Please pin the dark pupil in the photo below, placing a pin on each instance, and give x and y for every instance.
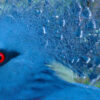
(0, 57)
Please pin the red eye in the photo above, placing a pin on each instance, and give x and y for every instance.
(2, 57)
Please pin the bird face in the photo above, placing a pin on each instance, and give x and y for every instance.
(21, 55)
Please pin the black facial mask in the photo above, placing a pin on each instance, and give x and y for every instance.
(8, 56)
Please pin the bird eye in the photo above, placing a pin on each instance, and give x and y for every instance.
(6, 56)
(2, 57)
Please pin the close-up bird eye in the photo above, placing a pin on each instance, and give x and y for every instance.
(2, 57)
(49, 49)
(6, 56)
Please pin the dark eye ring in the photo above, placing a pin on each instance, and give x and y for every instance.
(2, 57)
